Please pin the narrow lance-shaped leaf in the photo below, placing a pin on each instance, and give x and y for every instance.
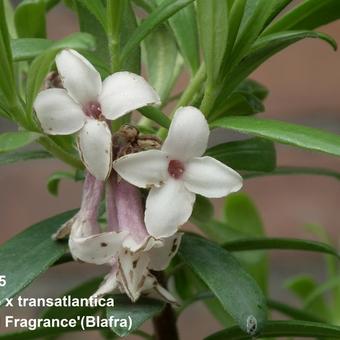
(293, 171)
(85, 290)
(303, 329)
(17, 156)
(260, 52)
(254, 154)
(30, 253)
(139, 312)
(158, 16)
(14, 140)
(184, 27)
(258, 243)
(161, 58)
(30, 19)
(7, 84)
(307, 15)
(29, 48)
(213, 29)
(90, 24)
(235, 289)
(242, 215)
(286, 133)
(129, 25)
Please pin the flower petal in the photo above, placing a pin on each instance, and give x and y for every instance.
(188, 134)
(143, 169)
(58, 113)
(132, 273)
(209, 177)
(81, 80)
(95, 146)
(124, 92)
(160, 257)
(109, 285)
(167, 208)
(98, 249)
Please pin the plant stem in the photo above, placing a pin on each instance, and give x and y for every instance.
(195, 84)
(115, 10)
(165, 323)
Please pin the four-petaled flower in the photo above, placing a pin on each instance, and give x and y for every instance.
(177, 172)
(84, 105)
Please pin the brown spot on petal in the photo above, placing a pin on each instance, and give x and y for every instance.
(141, 283)
(134, 263)
(103, 244)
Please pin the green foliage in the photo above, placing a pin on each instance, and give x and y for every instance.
(30, 19)
(17, 156)
(254, 154)
(285, 133)
(139, 312)
(10, 141)
(283, 328)
(217, 44)
(234, 288)
(30, 253)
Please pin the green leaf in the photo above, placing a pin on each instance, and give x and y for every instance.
(283, 308)
(260, 52)
(54, 180)
(241, 214)
(7, 83)
(159, 15)
(254, 154)
(85, 290)
(97, 9)
(161, 58)
(139, 312)
(29, 19)
(247, 99)
(235, 289)
(292, 312)
(90, 24)
(203, 210)
(42, 64)
(14, 140)
(29, 48)
(49, 4)
(285, 133)
(213, 28)
(254, 18)
(30, 253)
(294, 171)
(17, 156)
(282, 329)
(258, 243)
(303, 286)
(129, 25)
(309, 14)
(184, 27)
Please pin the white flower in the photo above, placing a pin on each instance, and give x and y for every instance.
(177, 172)
(84, 105)
(127, 247)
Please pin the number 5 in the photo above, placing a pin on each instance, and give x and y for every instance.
(3, 280)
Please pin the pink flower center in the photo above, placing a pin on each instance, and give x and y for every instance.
(176, 169)
(93, 110)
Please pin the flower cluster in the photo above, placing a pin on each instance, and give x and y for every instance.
(135, 242)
